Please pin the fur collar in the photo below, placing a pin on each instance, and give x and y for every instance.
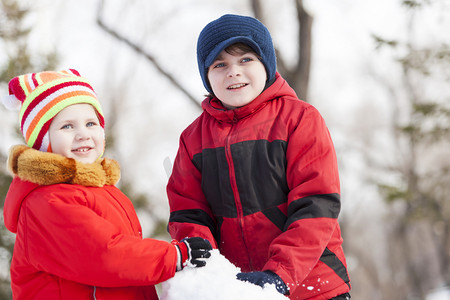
(46, 168)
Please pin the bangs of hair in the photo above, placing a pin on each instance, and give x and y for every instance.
(240, 49)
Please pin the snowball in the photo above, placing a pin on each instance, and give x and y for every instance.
(216, 281)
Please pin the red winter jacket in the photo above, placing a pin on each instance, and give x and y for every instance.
(261, 183)
(81, 240)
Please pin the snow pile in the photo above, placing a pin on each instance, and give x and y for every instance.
(439, 294)
(216, 281)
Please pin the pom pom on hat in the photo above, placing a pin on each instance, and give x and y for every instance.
(11, 102)
(230, 29)
(41, 96)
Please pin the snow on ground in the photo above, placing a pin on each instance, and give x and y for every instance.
(216, 281)
(439, 294)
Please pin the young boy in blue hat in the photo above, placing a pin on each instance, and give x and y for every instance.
(256, 173)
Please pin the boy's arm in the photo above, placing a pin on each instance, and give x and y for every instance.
(313, 201)
(190, 214)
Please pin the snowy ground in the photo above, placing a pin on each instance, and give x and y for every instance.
(216, 281)
(439, 294)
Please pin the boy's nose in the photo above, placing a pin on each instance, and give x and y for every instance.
(233, 70)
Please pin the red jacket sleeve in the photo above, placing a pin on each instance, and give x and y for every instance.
(190, 214)
(65, 237)
(313, 200)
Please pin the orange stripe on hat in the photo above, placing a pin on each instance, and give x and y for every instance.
(43, 114)
(25, 84)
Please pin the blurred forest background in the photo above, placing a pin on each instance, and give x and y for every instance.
(379, 72)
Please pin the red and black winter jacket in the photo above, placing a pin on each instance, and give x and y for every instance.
(261, 183)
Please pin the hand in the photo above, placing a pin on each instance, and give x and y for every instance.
(265, 277)
(191, 251)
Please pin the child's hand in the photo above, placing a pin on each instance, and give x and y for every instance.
(192, 251)
(263, 278)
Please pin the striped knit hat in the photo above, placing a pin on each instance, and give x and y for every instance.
(41, 96)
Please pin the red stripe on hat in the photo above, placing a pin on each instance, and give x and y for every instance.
(75, 72)
(33, 77)
(48, 92)
(101, 119)
(37, 144)
(16, 89)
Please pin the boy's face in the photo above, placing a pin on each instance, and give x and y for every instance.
(75, 132)
(237, 80)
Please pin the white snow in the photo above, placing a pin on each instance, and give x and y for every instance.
(439, 294)
(217, 281)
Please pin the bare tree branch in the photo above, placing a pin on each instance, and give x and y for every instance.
(257, 9)
(142, 52)
(301, 76)
(297, 75)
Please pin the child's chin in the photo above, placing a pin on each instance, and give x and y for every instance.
(86, 160)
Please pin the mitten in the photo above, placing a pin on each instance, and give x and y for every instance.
(265, 277)
(191, 252)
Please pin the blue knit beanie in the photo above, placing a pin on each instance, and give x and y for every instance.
(231, 29)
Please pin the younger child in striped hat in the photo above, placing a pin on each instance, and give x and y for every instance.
(41, 96)
(77, 235)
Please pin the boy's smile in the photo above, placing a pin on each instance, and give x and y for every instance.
(75, 132)
(237, 80)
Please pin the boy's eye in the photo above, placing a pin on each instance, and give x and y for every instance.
(66, 126)
(247, 59)
(219, 65)
(90, 124)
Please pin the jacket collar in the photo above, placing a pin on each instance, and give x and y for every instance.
(33, 168)
(44, 168)
(279, 88)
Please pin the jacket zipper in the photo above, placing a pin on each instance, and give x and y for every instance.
(233, 183)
